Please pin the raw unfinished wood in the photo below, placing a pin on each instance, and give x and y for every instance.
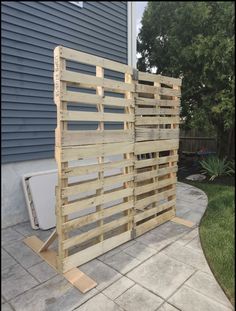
(76, 277)
(183, 222)
(116, 180)
(49, 241)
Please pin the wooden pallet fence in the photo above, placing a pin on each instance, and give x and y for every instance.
(156, 144)
(96, 166)
(114, 182)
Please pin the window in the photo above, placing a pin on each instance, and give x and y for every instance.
(78, 3)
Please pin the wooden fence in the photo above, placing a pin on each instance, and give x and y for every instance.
(192, 141)
(113, 184)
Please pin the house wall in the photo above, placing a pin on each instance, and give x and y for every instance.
(30, 32)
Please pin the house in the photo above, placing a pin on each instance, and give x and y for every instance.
(30, 32)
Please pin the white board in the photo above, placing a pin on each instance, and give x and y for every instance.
(42, 189)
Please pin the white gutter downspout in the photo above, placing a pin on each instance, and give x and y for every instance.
(132, 58)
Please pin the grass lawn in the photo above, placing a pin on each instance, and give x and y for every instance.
(217, 234)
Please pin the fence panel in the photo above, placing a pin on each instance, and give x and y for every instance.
(156, 132)
(116, 151)
(96, 167)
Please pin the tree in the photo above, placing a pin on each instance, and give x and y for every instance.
(195, 41)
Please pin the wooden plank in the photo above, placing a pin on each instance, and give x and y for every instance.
(85, 58)
(154, 210)
(80, 187)
(60, 87)
(91, 99)
(141, 101)
(49, 241)
(95, 116)
(143, 88)
(89, 81)
(96, 250)
(183, 222)
(76, 277)
(79, 152)
(80, 280)
(83, 237)
(95, 168)
(154, 222)
(155, 146)
(154, 173)
(155, 134)
(149, 187)
(100, 191)
(155, 161)
(159, 78)
(49, 256)
(156, 111)
(140, 120)
(80, 205)
(142, 203)
(90, 218)
(73, 138)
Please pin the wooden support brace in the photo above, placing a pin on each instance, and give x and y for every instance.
(76, 277)
(49, 241)
(183, 222)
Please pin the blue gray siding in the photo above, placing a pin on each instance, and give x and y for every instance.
(30, 32)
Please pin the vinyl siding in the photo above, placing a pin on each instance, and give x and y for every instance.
(30, 32)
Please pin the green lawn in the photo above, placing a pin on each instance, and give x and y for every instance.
(217, 234)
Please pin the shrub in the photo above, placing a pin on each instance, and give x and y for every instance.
(215, 167)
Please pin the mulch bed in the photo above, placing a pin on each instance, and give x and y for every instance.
(190, 166)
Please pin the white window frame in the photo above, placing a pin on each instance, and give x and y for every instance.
(132, 45)
(78, 3)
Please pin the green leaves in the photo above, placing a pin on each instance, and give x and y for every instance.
(214, 167)
(196, 40)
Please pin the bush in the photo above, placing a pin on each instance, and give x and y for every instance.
(215, 167)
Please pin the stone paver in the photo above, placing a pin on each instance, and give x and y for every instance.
(191, 257)
(162, 270)
(6, 260)
(167, 307)
(16, 280)
(138, 298)
(206, 284)
(6, 307)
(101, 273)
(23, 254)
(161, 274)
(140, 251)
(187, 299)
(118, 288)
(54, 295)
(42, 272)
(26, 230)
(99, 303)
(195, 243)
(9, 235)
(122, 262)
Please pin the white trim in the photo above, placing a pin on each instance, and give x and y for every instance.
(78, 3)
(132, 58)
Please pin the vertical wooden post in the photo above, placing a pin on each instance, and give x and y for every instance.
(129, 126)
(173, 153)
(60, 87)
(100, 107)
(156, 154)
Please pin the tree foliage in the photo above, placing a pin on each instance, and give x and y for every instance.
(195, 41)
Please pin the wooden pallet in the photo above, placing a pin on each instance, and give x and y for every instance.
(156, 145)
(114, 182)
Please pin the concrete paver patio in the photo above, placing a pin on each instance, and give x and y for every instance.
(164, 269)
